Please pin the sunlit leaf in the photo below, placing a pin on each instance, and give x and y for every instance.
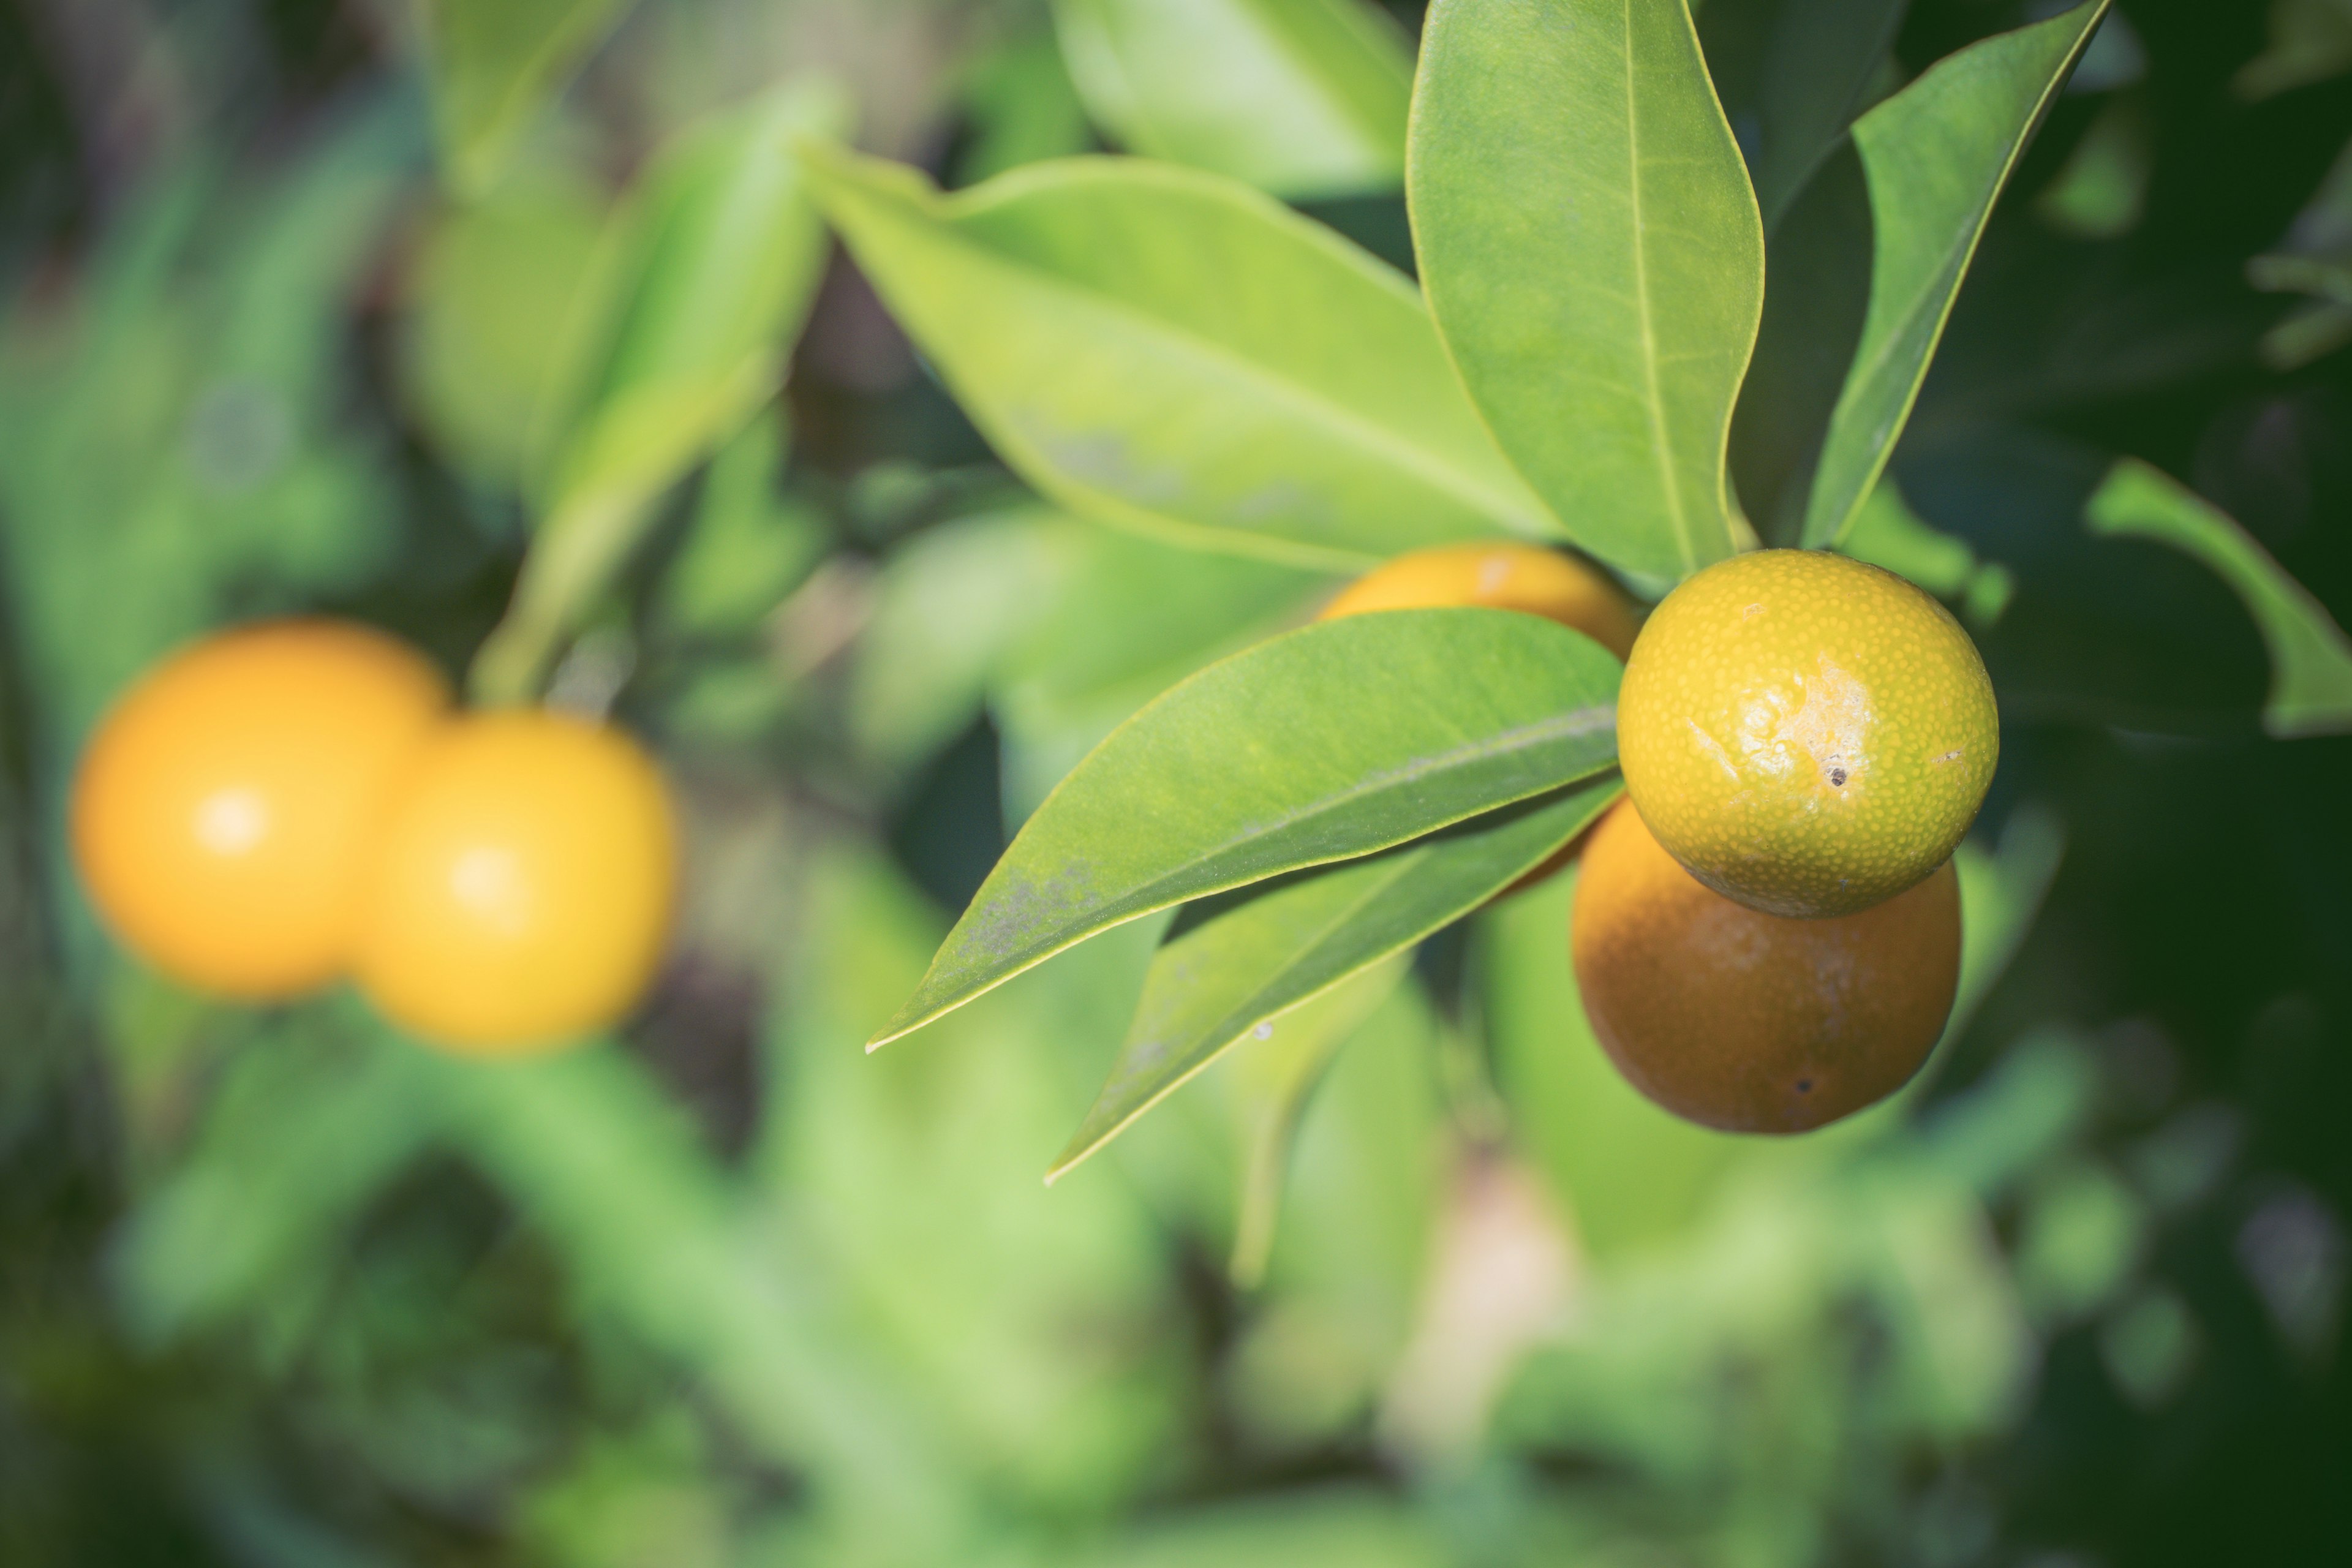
(1235, 965)
(1176, 354)
(1594, 256)
(1298, 97)
(1937, 155)
(704, 282)
(494, 61)
(2311, 658)
(1331, 741)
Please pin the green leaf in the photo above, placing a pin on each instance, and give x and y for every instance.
(1804, 68)
(1270, 1086)
(1177, 355)
(2311, 658)
(707, 277)
(1234, 965)
(495, 284)
(1296, 97)
(2311, 40)
(493, 62)
(1594, 256)
(1936, 156)
(1334, 741)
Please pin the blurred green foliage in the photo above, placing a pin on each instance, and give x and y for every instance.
(298, 304)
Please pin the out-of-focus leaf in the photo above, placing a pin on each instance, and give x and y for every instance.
(493, 287)
(1269, 1085)
(1235, 965)
(2102, 190)
(2311, 658)
(748, 545)
(1176, 354)
(915, 1177)
(1887, 533)
(1937, 155)
(1633, 1174)
(175, 435)
(1792, 74)
(949, 605)
(494, 62)
(683, 336)
(1132, 617)
(2100, 629)
(1334, 741)
(2306, 334)
(593, 1153)
(1023, 107)
(1298, 97)
(1593, 254)
(1337, 1530)
(2311, 40)
(296, 1141)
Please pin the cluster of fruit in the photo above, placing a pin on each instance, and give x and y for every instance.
(1767, 931)
(288, 804)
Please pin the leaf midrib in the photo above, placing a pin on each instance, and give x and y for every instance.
(1655, 403)
(1071, 1157)
(1395, 445)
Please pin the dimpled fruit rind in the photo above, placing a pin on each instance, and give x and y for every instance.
(1807, 734)
(1748, 1022)
(1502, 575)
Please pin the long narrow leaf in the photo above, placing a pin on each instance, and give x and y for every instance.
(1335, 740)
(2311, 658)
(1177, 355)
(1246, 963)
(1937, 155)
(1296, 97)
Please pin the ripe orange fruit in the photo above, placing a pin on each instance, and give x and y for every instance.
(1503, 577)
(1807, 734)
(1748, 1022)
(225, 807)
(523, 884)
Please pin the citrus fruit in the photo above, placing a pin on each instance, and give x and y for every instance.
(1503, 577)
(223, 811)
(1748, 1022)
(523, 885)
(1807, 734)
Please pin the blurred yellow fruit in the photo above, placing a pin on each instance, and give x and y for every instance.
(1749, 1022)
(1503, 577)
(1808, 734)
(523, 885)
(225, 807)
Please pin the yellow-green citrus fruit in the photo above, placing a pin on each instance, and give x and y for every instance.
(223, 813)
(1807, 734)
(1748, 1022)
(523, 884)
(1502, 576)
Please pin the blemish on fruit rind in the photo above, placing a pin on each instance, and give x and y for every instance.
(1953, 755)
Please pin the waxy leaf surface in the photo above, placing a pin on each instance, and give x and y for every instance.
(1592, 251)
(1335, 740)
(1177, 354)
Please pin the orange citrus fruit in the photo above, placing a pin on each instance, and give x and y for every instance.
(224, 810)
(1502, 576)
(1748, 1022)
(522, 886)
(1807, 734)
